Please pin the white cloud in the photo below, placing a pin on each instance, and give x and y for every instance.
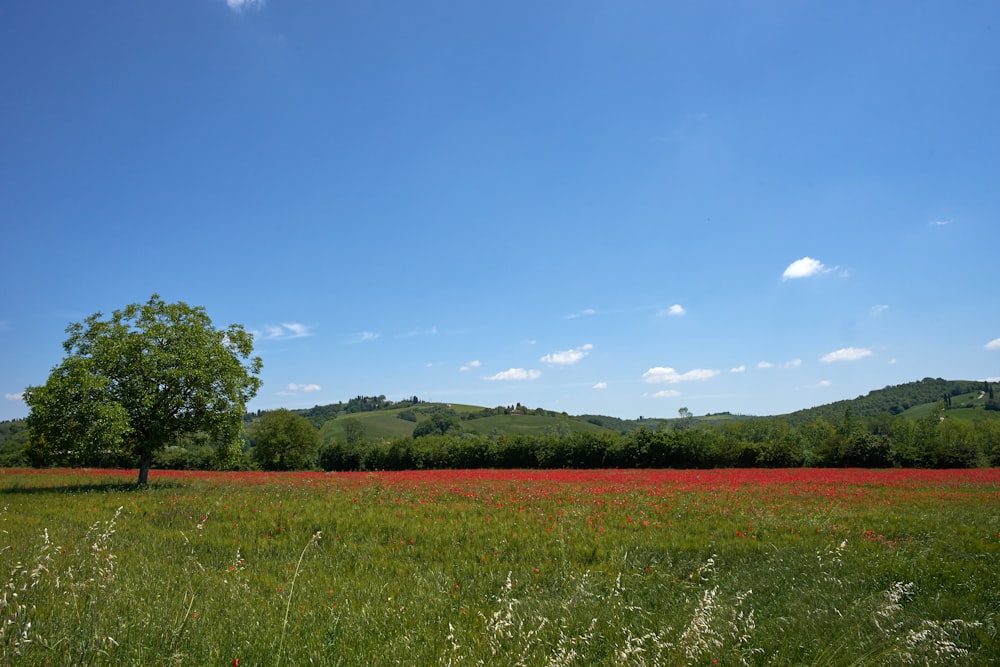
(738, 369)
(15, 397)
(366, 336)
(676, 310)
(475, 363)
(662, 374)
(823, 384)
(286, 330)
(847, 354)
(879, 309)
(667, 393)
(516, 374)
(600, 385)
(240, 5)
(421, 332)
(567, 357)
(793, 363)
(583, 313)
(993, 344)
(803, 268)
(939, 223)
(303, 387)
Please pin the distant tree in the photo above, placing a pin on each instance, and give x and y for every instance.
(284, 440)
(354, 432)
(138, 381)
(439, 423)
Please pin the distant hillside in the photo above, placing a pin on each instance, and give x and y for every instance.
(391, 423)
(913, 399)
(376, 419)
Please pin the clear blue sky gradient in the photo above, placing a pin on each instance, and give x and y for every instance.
(593, 207)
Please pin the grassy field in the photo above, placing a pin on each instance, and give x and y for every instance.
(728, 567)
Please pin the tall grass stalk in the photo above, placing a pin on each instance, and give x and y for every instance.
(313, 541)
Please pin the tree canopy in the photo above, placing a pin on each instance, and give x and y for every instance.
(139, 380)
(284, 440)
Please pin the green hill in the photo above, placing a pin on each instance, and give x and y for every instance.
(912, 399)
(376, 419)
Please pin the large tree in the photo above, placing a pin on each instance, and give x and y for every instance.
(138, 381)
(284, 440)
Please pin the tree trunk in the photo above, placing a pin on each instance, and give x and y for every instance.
(145, 460)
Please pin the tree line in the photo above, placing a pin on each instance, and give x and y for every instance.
(876, 442)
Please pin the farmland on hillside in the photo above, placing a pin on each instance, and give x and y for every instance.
(615, 567)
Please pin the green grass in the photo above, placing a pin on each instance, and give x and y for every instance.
(383, 425)
(617, 568)
(967, 407)
(530, 425)
(378, 426)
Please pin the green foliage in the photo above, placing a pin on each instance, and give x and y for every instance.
(13, 439)
(894, 400)
(139, 380)
(439, 423)
(354, 432)
(378, 434)
(283, 440)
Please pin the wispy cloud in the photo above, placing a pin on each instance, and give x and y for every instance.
(600, 385)
(516, 374)
(475, 363)
(822, 384)
(366, 336)
(567, 357)
(240, 5)
(15, 397)
(661, 374)
(286, 330)
(667, 393)
(583, 313)
(939, 223)
(421, 332)
(803, 268)
(847, 354)
(738, 369)
(792, 363)
(993, 344)
(303, 387)
(879, 309)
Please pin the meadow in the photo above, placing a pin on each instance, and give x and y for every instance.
(485, 567)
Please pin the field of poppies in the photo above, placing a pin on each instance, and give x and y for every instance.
(477, 567)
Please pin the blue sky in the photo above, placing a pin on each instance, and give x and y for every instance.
(618, 207)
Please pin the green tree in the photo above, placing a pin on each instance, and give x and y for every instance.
(284, 440)
(354, 432)
(439, 423)
(139, 380)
